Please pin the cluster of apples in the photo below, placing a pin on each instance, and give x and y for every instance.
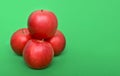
(40, 41)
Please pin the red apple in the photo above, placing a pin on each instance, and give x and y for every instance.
(58, 42)
(42, 24)
(19, 39)
(38, 54)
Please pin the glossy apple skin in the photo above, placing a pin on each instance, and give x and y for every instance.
(38, 54)
(19, 39)
(42, 24)
(58, 42)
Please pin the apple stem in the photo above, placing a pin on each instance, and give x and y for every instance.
(42, 10)
(23, 31)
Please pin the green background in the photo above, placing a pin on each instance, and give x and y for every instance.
(91, 28)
